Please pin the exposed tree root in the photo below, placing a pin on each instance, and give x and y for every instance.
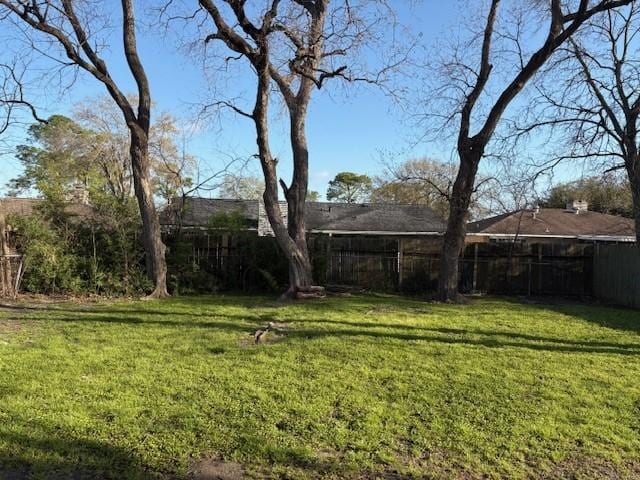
(159, 292)
(303, 293)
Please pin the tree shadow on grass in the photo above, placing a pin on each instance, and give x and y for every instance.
(242, 324)
(452, 336)
(549, 345)
(458, 336)
(496, 334)
(55, 455)
(609, 317)
(603, 316)
(183, 306)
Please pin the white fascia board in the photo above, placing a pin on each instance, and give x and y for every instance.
(374, 232)
(604, 238)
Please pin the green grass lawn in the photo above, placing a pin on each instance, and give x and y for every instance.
(361, 387)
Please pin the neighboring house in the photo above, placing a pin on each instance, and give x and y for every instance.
(387, 246)
(539, 250)
(326, 218)
(362, 244)
(573, 224)
(28, 206)
(381, 246)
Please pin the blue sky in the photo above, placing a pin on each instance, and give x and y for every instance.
(345, 132)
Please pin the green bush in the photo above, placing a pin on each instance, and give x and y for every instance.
(64, 253)
(246, 262)
(49, 266)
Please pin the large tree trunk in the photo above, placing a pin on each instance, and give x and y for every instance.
(300, 270)
(291, 237)
(8, 287)
(297, 258)
(633, 171)
(454, 238)
(151, 235)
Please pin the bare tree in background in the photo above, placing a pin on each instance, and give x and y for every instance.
(297, 45)
(425, 181)
(102, 116)
(66, 26)
(592, 98)
(241, 187)
(483, 106)
(418, 181)
(13, 100)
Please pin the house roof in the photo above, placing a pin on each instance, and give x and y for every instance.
(27, 206)
(320, 216)
(351, 217)
(197, 212)
(554, 222)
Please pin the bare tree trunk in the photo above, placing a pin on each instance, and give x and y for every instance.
(633, 171)
(454, 238)
(7, 284)
(67, 29)
(151, 234)
(299, 265)
(297, 258)
(300, 270)
(471, 147)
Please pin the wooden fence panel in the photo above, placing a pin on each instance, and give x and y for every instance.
(375, 271)
(616, 276)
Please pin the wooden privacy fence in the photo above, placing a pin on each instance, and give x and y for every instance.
(527, 275)
(516, 275)
(375, 271)
(616, 276)
(242, 261)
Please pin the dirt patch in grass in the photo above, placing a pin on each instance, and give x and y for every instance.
(276, 332)
(436, 474)
(268, 339)
(215, 469)
(9, 326)
(586, 468)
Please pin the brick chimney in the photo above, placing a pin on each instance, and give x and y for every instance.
(535, 211)
(578, 206)
(79, 194)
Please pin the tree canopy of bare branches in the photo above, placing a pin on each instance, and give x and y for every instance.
(13, 99)
(478, 109)
(593, 103)
(296, 46)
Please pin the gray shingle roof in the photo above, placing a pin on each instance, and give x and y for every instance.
(196, 212)
(321, 216)
(556, 222)
(29, 206)
(373, 218)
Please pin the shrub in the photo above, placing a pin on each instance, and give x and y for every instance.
(65, 254)
(49, 266)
